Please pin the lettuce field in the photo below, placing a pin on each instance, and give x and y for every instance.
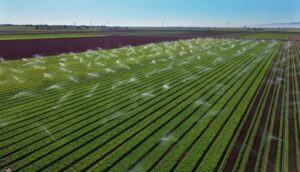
(189, 105)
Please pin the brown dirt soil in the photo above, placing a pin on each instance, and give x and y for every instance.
(17, 49)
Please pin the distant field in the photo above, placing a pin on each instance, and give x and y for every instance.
(23, 36)
(146, 33)
(78, 35)
(295, 37)
(46, 36)
(283, 36)
(23, 48)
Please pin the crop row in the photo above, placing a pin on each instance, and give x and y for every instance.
(269, 136)
(153, 117)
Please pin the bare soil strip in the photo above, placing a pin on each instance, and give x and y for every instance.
(17, 49)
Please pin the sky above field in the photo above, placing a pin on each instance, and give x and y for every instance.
(150, 12)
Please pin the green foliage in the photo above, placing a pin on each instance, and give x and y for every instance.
(156, 106)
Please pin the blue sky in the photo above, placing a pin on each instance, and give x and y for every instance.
(150, 12)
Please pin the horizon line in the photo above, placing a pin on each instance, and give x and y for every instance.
(157, 26)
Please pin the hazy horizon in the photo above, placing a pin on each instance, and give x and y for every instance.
(146, 13)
